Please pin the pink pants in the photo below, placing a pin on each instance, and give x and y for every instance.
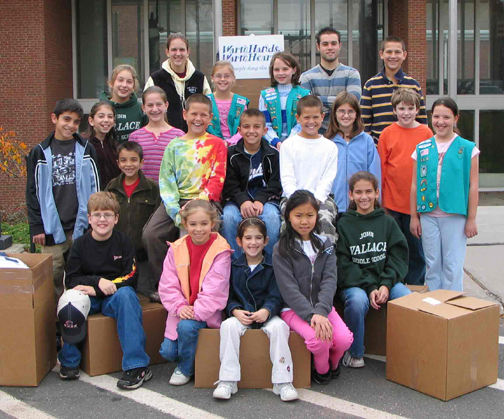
(325, 354)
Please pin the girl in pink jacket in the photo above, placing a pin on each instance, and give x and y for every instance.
(194, 286)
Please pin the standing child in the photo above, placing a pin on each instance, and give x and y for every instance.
(194, 286)
(356, 149)
(372, 259)
(138, 196)
(102, 265)
(193, 166)
(444, 192)
(61, 176)
(104, 139)
(252, 276)
(129, 117)
(305, 270)
(279, 102)
(157, 134)
(376, 96)
(227, 106)
(397, 142)
(310, 161)
(252, 187)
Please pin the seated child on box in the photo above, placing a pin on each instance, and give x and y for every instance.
(138, 195)
(194, 286)
(193, 167)
(305, 271)
(252, 276)
(310, 161)
(252, 187)
(102, 265)
(372, 255)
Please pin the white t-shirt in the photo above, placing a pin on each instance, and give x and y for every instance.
(309, 250)
(308, 164)
(252, 267)
(442, 148)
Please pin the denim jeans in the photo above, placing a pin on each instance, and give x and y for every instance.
(183, 350)
(356, 303)
(125, 308)
(232, 218)
(416, 271)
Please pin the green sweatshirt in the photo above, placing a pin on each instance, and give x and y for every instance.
(129, 116)
(371, 252)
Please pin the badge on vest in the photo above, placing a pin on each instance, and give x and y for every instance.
(431, 205)
(460, 153)
(420, 146)
(241, 101)
(423, 198)
(192, 89)
(423, 171)
(424, 152)
(424, 159)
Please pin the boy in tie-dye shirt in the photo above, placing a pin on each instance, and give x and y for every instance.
(193, 166)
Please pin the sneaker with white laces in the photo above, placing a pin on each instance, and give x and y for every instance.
(225, 390)
(286, 391)
(179, 379)
(351, 362)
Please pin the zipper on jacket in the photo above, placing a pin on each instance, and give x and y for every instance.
(248, 289)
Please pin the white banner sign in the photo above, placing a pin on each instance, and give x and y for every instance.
(250, 55)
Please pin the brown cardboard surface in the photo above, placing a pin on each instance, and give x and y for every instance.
(28, 326)
(102, 353)
(470, 302)
(450, 350)
(254, 360)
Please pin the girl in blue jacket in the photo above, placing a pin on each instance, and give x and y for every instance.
(356, 149)
(254, 302)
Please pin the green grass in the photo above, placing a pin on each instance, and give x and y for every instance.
(20, 233)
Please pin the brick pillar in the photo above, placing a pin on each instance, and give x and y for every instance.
(229, 17)
(408, 20)
(35, 71)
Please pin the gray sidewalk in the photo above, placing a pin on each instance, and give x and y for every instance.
(484, 263)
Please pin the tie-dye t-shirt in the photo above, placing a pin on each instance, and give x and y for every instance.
(192, 169)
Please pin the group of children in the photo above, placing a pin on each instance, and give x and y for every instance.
(282, 259)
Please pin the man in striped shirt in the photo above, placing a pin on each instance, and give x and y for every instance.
(377, 113)
(330, 77)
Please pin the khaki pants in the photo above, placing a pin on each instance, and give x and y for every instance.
(59, 252)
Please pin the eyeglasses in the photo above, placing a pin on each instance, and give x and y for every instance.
(342, 112)
(222, 76)
(97, 216)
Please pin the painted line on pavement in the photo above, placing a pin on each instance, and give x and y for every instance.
(343, 406)
(499, 385)
(18, 409)
(501, 340)
(149, 398)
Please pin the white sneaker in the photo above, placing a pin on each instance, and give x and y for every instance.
(179, 379)
(351, 362)
(286, 391)
(225, 390)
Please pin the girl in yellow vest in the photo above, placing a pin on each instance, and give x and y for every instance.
(279, 102)
(444, 197)
(227, 106)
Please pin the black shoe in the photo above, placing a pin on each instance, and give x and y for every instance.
(69, 373)
(335, 373)
(134, 378)
(321, 378)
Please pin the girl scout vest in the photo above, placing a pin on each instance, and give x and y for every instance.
(238, 104)
(271, 98)
(455, 176)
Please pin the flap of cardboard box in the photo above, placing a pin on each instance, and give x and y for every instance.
(470, 303)
(441, 310)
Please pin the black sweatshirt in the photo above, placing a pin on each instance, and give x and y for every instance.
(372, 251)
(112, 259)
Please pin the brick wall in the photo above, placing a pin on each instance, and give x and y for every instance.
(35, 71)
(407, 19)
(229, 17)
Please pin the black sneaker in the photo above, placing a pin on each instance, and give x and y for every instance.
(69, 373)
(335, 373)
(321, 378)
(134, 378)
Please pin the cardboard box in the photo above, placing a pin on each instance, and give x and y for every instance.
(375, 334)
(442, 344)
(102, 353)
(27, 321)
(254, 360)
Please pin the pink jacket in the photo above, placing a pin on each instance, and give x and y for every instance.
(214, 284)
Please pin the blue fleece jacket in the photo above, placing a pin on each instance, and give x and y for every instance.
(358, 154)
